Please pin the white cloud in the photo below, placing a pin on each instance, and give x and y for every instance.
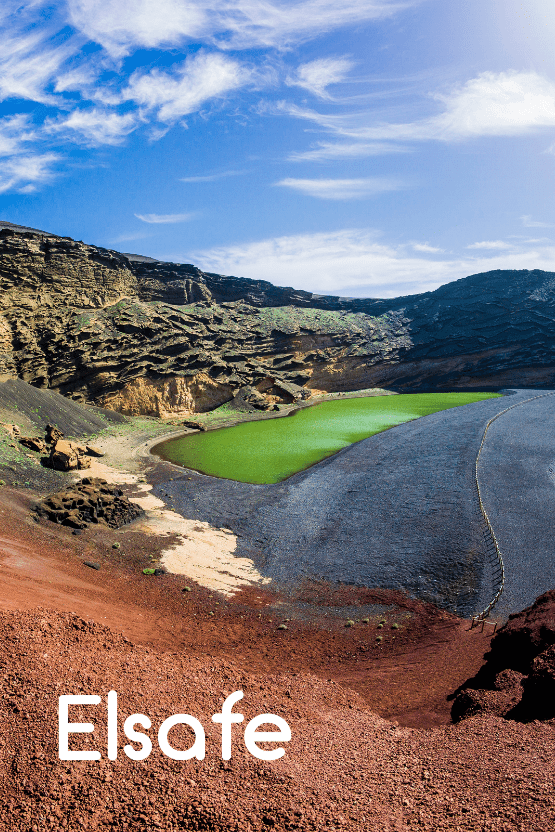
(426, 248)
(212, 177)
(164, 219)
(94, 127)
(124, 25)
(491, 244)
(198, 79)
(342, 188)
(498, 104)
(324, 151)
(351, 262)
(76, 79)
(24, 173)
(492, 104)
(319, 74)
(14, 132)
(528, 222)
(27, 66)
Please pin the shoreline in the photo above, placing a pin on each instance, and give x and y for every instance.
(203, 548)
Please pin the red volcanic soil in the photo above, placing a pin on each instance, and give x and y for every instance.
(408, 676)
(67, 628)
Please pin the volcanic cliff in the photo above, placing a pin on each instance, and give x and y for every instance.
(142, 336)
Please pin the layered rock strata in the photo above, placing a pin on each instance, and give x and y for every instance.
(163, 339)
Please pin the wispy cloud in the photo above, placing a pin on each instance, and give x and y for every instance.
(528, 222)
(78, 78)
(25, 173)
(212, 177)
(496, 104)
(198, 79)
(326, 151)
(94, 127)
(28, 65)
(491, 104)
(316, 76)
(22, 169)
(343, 188)
(164, 219)
(15, 132)
(491, 244)
(426, 248)
(122, 26)
(353, 262)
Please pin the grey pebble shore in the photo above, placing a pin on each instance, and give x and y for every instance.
(399, 510)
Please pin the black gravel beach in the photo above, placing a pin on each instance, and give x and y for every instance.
(399, 510)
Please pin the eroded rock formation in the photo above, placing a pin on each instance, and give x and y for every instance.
(167, 339)
(518, 679)
(90, 501)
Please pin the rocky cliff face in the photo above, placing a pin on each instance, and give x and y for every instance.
(148, 337)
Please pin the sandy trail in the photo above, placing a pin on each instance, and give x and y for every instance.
(202, 552)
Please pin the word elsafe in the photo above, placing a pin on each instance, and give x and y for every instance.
(251, 736)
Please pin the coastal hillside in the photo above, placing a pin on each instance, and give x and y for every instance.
(146, 337)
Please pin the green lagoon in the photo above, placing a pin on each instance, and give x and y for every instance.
(271, 450)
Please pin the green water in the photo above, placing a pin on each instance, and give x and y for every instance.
(271, 450)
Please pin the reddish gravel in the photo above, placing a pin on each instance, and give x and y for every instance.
(408, 676)
(345, 767)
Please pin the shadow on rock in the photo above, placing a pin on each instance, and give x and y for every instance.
(518, 679)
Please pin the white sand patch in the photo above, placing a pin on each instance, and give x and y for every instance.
(111, 475)
(201, 552)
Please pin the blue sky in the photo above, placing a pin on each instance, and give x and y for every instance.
(356, 147)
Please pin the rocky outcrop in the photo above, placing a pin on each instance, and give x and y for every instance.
(166, 397)
(90, 501)
(141, 336)
(68, 456)
(34, 443)
(62, 454)
(518, 679)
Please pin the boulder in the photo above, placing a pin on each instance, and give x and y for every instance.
(52, 434)
(33, 443)
(188, 423)
(67, 456)
(249, 398)
(63, 456)
(91, 450)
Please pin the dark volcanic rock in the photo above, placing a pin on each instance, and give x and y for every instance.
(140, 336)
(90, 501)
(525, 635)
(538, 698)
(518, 678)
